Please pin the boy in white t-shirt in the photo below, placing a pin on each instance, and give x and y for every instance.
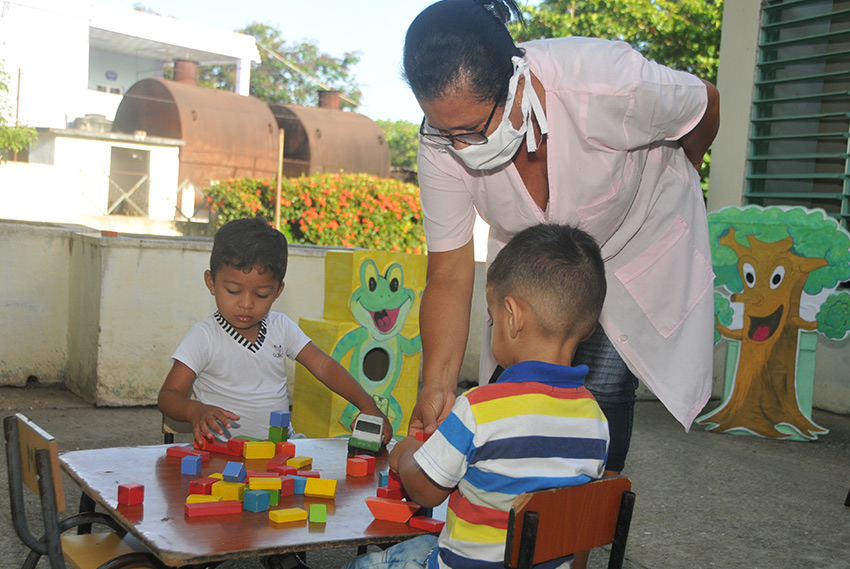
(234, 360)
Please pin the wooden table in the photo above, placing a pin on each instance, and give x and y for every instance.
(161, 525)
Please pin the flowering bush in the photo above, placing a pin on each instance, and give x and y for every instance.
(347, 210)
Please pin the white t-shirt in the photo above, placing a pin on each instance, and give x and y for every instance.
(247, 379)
(616, 171)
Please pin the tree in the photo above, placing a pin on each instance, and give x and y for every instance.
(304, 71)
(403, 139)
(682, 34)
(767, 258)
(13, 137)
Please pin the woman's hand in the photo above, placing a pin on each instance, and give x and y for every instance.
(432, 407)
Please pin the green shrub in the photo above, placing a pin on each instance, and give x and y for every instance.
(345, 210)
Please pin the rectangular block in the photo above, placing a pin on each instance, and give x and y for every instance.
(234, 471)
(370, 461)
(228, 490)
(179, 451)
(190, 464)
(426, 523)
(384, 478)
(318, 513)
(279, 419)
(392, 492)
(256, 501)
(421, 436)
(274, 497)
(258, 474)
(278, 434)
(131, 493)
(258, 449)
(299, 483)
(285, 448)
(320, 487)
(284, 470)
(264, 483)
(287, 515)
(217, 446)
(393, 479)
(202, 485)
(391, 510)
(198, 498)
(308, 473)
(287, 486)
(213, 508)
(236, 445)
(300, 462)
(356, 467)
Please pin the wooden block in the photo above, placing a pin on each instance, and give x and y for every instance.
(391, 492)
(384, 478)
(256, 501)
(217, 475)
(287, 515)
(280, 419)
(219, 447)
(236, 446)
(234, 472)
(284, 470)
(391, 510)
(190, 464)
(287, 486)
(260, 483)
(320, 488)
(131, 493)
(181, 451)
(202, 485)
(421, 436)
(258, 474)
(300, 462)
(228, 490)
(274, 497)
(308, 473)
(198, 498)
(318, 513)
(299, 483)
(285, 448)
(393, 479)
(258, 449)
(213, 508)
(425, 523)
(370, 461)
(356, 467)
(278, 434)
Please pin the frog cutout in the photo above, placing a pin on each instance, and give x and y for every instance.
(380, 305)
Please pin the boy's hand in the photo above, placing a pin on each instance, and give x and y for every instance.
(401, 449)
(388, 426)
(207, 419)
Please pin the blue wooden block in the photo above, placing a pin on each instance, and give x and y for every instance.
(191, 465)
(256, 500)
(234, 472)
(300, 483)
(279, 419)
(384, 477)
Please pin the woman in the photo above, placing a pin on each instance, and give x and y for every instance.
(572, 130)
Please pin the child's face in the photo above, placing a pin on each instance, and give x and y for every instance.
(500, 330)
(244, 299)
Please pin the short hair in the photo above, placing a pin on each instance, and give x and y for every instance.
(249, 243)
(557, 270)
(455, 41)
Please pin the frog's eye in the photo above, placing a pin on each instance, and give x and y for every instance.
(369, 275)
(373, 284)
(395, 276)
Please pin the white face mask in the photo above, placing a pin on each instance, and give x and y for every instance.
(503, 143)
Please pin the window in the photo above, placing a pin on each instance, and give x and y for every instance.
(798, 152)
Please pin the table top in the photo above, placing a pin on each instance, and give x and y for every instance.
(160, 523)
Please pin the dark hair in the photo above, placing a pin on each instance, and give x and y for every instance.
(558, 271)
(248, 243)
(453, 41)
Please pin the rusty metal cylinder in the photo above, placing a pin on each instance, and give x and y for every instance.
(186, 71)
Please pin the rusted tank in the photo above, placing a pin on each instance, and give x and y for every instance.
(226, 135)
(325, 139)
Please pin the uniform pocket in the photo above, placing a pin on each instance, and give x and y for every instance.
(668, 279)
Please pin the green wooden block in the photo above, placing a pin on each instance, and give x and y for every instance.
(278, 434)
(274, 497)
(318, 513)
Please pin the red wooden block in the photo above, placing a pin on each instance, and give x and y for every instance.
(284, 470)
(131, 493)
(219, 447)
(393, 479)
(235, 446)
(181, 451)
(287, 486)
(425, 523)
(391, 492)
(285, 448)
(356, 467)
(213, 508)
(421, 436)
(391, 510)
(370, 461)
(308, 473)
(257, 474)
(202, 485)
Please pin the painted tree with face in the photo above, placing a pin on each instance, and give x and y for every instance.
(771, 260)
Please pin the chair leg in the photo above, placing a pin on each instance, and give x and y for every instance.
(527, 540)
(621, 531)
(847, 499)
(87, 505)
(168, 438)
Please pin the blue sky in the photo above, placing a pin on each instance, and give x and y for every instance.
(375, 28)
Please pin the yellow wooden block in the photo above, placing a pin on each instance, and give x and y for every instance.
(264, 483)
(287, 515)
(228, 490)
(320, 488)
(300, 461)
(218, 475)
(196, 498)
(258, 449)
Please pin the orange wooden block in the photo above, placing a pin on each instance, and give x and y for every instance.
(356, 467)
(394, 480)
(181, 451)
(425, 523)
(391, 510)
(285, 448)
(213, 508)
(370, 461)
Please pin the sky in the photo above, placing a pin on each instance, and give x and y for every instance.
(375, 28)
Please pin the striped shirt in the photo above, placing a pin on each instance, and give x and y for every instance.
(536, 428)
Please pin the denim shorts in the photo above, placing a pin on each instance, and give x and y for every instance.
(410, 554)
(614, 387)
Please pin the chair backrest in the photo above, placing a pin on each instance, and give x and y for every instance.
(170, 427)
(551, 524)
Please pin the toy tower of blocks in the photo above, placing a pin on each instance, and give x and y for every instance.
(316, 410)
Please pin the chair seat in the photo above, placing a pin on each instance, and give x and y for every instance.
(89, 551)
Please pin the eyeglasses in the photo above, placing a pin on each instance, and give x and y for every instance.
(473, 138)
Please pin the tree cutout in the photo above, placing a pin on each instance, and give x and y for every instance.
(771, 260)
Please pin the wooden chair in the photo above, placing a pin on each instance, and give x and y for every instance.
(555, 523)
(170, 427)
(33, 460)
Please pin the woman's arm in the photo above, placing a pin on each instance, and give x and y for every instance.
(696, 143)
(444, 328)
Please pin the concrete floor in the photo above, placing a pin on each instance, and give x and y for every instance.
(703, 500)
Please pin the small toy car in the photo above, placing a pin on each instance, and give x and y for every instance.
(367, 435)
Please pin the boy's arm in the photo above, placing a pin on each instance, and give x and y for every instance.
(417, 484)
(174, 402)
(337, 379)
